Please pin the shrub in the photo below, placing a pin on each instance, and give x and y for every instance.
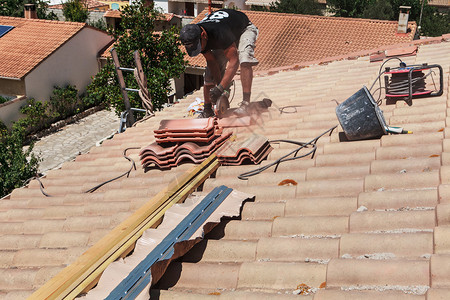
(37, 116)
(3, 99)
(75, 11)
(104, 89)
(16, 164)
(64, 102)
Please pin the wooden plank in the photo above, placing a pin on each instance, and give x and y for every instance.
(73, 279)
(126, 100)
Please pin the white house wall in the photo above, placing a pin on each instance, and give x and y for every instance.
(163, 5)
(73, 63)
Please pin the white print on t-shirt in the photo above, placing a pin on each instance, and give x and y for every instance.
(215, 17)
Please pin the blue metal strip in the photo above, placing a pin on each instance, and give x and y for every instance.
(139, 278)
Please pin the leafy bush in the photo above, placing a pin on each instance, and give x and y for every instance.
(104, 88)
(64, 102)
(16, 165)
(3, 99)
(161, 59)
(99, 24)
(75, 11)
(14, 8)
(37, 116)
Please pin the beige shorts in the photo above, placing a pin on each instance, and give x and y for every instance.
(246, 52)
(246, 45)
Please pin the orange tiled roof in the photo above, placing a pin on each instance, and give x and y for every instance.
(90, 4)
(287, 39)
(113, 13)
(361, 220)
(118, 14)
(439, 2)
(30, 42)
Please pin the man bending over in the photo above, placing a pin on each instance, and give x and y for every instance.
(225, 36)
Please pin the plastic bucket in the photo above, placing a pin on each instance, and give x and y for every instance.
(360, 117)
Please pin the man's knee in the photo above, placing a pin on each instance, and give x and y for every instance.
(247, 65)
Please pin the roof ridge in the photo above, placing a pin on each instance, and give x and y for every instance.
(322, 17)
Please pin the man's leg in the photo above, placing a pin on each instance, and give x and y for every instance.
(247, 61)
(246, 80)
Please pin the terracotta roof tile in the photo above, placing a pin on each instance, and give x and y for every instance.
(289, 39)
(341, 272)
(369, 234)
(30, 42)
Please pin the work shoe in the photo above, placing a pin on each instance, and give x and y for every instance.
(206, 113)
(242, 110)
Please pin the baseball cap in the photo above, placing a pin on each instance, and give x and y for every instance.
(190, 37)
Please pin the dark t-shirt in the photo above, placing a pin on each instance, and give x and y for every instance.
(223, 27)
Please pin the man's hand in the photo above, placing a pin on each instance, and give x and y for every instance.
(215, 93)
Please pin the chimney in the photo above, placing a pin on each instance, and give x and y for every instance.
(403, 19)
(30, 11)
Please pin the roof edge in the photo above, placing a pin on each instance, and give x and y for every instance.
(44, 21)
(353, 55)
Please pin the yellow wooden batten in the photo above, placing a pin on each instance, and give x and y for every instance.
(73, 279)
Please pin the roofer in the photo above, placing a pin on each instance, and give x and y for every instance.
(225, 36)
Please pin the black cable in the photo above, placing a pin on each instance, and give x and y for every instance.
(91, 190)
(399, 84)
(42, 187)
(244, 176)
(133, 165)
(380, 72)
(283, 108)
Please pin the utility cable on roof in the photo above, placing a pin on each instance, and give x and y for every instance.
(312, 143)
(380, 72)
(284, 108)
(133, 165)
(91, 190)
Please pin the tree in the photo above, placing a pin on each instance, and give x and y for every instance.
(379, 9)
(75, 11)
(16, 165)
(306, 7)
(160, 52)
(433, 23)
(346, 8)
(15, 8)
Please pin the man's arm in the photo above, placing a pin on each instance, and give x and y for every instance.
(213, 66)
(233, 64)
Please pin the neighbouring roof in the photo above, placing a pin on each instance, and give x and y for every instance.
(113, 13)
(89, 4)
(118, 14)
(260, 2)
(365, 220)
(287, 39)
(268, 2)
(30, 42)
(439, 2)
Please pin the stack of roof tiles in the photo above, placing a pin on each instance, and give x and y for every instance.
(180, 140)
(254, 150)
